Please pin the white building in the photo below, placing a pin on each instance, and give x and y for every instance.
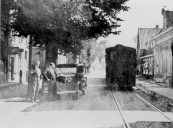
(18, 58)
(162, 49)
(62, 59)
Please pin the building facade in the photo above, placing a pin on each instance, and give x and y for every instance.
(18, 58)
(154, 51)
(162, 49)
(145, 54)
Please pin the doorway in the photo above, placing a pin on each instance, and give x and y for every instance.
(12, 68)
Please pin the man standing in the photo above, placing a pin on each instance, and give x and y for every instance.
(50, 77)
(35, 76)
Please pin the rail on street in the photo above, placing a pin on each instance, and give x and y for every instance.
(100, 107)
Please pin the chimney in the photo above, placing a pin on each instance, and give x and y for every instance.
(163, 10)
(157, 26)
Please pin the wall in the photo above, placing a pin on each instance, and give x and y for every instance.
(163, 61)
(163, 56)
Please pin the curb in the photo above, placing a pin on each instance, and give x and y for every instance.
(154, 94)
(152, 82)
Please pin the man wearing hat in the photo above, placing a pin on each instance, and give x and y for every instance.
(35, 79)
(50, 77)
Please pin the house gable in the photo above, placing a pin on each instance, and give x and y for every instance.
(145, 34)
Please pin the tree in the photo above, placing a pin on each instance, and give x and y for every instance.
(64, 24)
(86, 51)
(49, 22)
(100, 52)
(101, 47)
(93, 50)
(104, 16)
(105, 43)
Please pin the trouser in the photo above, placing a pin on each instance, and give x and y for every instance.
(34, 90)
(51, 87)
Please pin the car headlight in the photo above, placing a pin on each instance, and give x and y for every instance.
(69, 79)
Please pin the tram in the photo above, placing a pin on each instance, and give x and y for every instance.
(121, 66)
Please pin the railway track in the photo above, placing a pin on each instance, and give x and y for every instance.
(152, 106)
(125, 123)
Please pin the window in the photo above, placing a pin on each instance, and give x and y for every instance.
(21, 39)
(146, 46)
(25, 54)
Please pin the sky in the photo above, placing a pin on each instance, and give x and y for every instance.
(142, 14)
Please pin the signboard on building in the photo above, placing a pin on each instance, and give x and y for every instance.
(14, 50)
(21, 50)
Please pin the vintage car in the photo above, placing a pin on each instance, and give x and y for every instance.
(70, 79)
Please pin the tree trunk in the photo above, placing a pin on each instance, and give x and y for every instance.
(7, 34)
(6, 59)
(29, 65)
(51, 53)
(47, 55)
(172, 65)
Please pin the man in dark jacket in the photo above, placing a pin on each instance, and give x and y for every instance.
(50, 76)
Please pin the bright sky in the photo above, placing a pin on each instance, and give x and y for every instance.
(142, 14)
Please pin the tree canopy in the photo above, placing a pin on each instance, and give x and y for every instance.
(100, 49)
(65, 23)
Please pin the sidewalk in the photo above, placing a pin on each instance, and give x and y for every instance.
(150, 87)
(9, 84)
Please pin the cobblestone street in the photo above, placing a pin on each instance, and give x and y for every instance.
(96, 98)
(96, 109)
